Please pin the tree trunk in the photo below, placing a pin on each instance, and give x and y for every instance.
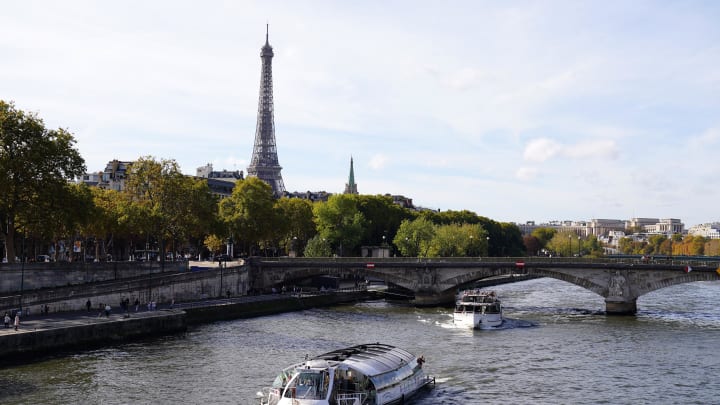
(10, 241)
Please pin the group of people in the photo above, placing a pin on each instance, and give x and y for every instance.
(105, 309)
(8, 319)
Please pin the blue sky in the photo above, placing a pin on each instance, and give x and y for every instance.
(516, 110)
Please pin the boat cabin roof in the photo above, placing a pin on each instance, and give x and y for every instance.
(371, 359)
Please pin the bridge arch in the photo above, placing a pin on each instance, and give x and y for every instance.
(436, 281)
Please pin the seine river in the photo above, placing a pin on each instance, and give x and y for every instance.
(557, 348)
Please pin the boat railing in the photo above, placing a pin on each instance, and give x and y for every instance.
(354, 398)
(268, 396)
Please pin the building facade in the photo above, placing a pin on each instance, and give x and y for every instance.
(710, 231)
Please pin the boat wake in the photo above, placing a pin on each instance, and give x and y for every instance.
(510, 323)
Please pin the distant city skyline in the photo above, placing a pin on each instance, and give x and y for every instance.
(519, 111)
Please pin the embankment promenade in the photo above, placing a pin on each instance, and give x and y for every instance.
(46, 334)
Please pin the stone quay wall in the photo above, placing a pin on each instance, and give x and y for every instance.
(161, 288)
(23, 346)
(26, 345)
(33, 276)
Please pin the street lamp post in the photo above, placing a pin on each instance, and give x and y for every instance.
(488, 245)
(22, 271)
(579, 250)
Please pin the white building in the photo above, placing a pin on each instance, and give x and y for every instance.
(710, 231)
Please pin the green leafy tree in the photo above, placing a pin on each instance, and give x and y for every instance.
(295, 224)
(35, 164)
(155, 188)
(591, 247)
(449, 241)
(451, 217)
(511, 238)
(382, 218)
(544, 235)
(108, 221)
(249, 212)
(564, 243)
(413, 237)
(340, 222)
(317, 247)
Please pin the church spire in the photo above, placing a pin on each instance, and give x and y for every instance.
(351, 187)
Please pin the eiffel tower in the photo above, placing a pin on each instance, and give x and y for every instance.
(264, 163)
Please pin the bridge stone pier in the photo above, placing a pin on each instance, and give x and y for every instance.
(436, 281)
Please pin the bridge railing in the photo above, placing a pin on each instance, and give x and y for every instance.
(693, 261)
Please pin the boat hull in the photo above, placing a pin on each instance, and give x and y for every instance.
(477, 321)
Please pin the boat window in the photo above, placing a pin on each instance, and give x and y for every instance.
(308, 384)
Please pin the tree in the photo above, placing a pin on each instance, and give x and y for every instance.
(695, 245)
(511, 239)
(448, 241)
(474, 241)
(295, 224)
(532, 245)
(340, 222)
(382, 217)
(562, 243)
(544, 235)
(591, 247)
(34, 164)
(104, 219)
(214, 243)
(317, 247)
(413, 237)
(249, 212)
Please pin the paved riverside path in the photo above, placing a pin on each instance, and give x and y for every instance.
(39, 322)
(59, 320)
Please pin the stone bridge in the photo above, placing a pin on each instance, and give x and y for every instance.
(436, 281)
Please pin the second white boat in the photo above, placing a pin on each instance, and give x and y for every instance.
(478, 309)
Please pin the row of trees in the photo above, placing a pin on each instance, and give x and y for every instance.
(346, 222)
(162, 210)
(677, 245)
(549, 241)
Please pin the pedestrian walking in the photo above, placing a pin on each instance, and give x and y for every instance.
(17, 320)
(7, 320)
(88, 304)
(137, 304)
(107, 310)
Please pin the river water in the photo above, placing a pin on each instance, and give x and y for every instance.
(557, 347)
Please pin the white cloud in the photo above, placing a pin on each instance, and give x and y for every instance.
(540, 150)
(543, 149)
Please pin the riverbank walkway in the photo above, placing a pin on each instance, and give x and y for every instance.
(39, 334)
(59, 320)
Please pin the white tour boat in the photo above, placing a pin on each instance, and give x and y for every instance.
(478, 309)
(369, 374)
